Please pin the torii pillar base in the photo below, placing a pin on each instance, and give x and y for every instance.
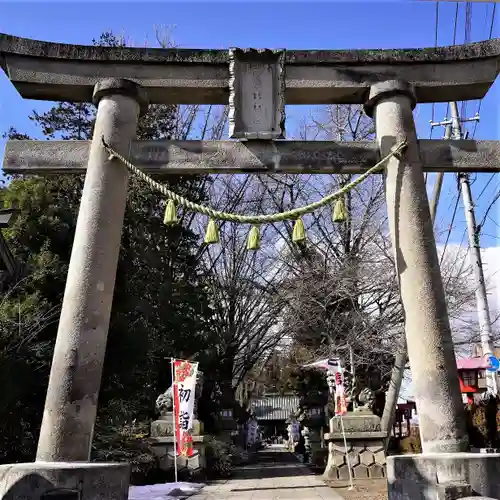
(65, 481)
(461, 475)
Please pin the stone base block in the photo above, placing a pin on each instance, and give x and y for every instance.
(163, 448)
(64, 481)
(365, 455)
(355, 422)
(165, 427)
(443, 476)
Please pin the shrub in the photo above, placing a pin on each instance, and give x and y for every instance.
(483, 422)
(126, 444)
(239, 456)
(410, 444)
(221, 457)
(218, 459)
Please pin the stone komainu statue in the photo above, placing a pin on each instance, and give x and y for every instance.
(165, 401)
(359, 397)
(365, 399)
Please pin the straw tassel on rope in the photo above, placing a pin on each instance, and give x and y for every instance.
(170, 214)
(253, 242)
(299, 232)
(340, 211)
(212, 234)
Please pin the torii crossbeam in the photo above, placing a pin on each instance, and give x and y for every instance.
(256, 84)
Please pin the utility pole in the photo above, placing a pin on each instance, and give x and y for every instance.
(483, 312)
(438, 184)
(452, 128)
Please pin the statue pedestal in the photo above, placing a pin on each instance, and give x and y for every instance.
(365, 445)
(163, 448)
(164, 426)
(162, 443)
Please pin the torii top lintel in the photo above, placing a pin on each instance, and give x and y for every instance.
(65, 72)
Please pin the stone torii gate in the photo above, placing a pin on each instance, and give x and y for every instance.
(256, 84)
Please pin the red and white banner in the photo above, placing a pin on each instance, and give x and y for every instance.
(333, 365)
(340, 398)
(184, 393)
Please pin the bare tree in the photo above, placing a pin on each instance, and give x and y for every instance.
(342, 288)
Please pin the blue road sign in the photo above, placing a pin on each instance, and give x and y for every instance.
(494, 364)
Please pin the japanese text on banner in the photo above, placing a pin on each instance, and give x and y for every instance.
(184, 394)
(340, 396)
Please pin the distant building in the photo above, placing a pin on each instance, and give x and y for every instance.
(472, 377)
(472, 374)
(272, 412)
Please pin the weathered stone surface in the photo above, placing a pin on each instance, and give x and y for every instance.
(343, 472)
(380, 457)
(160, 428)
(376, 446)
(338, 459)
(360, 454)
(256, 94)
(377, 471)
(41, 157)
(90, 481)
(64, 72)
(366, 457)
(354, 423)
(339, 446)
(163, 448)
(431, 354)
(414, 476)
(453, 491)
(76, 369)
(353, 458)
(360, 472)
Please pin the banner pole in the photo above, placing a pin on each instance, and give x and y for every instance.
(351, 487)
(172, 361)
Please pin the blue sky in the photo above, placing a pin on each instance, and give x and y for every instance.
(291, 24)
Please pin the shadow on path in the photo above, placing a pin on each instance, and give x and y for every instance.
(276, 474)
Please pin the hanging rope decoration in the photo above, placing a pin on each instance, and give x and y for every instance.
(339, 212)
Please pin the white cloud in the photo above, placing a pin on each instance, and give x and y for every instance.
(455, 254)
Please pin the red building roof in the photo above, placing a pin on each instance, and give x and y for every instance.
(472, 364)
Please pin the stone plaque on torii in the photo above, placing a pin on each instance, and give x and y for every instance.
(257, 84)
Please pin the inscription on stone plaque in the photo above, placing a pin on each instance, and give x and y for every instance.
(256, 94)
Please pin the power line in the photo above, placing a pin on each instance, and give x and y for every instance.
(492, 20)
(451, 226)
(436, 31)
(493, 12)
(455, 27)
(467, 38)
(495, 199)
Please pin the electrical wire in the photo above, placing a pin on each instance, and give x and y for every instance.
(436, 31)
(455, 27)
(493, 12)
(467, 38)
(450, 228)
(495, 199)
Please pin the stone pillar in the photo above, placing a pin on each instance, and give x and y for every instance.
(75, 377)
(428, 333)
